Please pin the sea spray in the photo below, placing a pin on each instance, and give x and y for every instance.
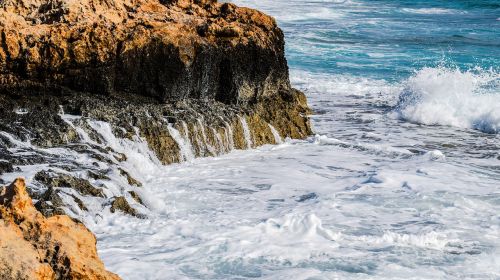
(444, 96)
(229, 136)
(220, 143)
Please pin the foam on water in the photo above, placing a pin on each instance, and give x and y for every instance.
(394, 186)
(433, 11)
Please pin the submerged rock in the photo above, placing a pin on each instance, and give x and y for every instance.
(136, 197)
(35, 247)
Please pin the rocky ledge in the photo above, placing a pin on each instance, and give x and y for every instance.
(198, 66)
(34, 247)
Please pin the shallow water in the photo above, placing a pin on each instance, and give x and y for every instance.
(401, 180)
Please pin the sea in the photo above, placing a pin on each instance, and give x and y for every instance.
(401, 179)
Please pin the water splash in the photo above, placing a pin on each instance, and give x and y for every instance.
(186, 150)
(246, 132)
(276, 134)
(229, 136)
(444, 96)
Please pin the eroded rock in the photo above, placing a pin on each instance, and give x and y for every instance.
(35, 247)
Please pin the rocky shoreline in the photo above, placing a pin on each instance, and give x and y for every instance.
(91, 90)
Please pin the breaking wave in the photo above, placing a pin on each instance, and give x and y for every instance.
(452, 97)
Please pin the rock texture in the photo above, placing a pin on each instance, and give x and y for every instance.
(167, 50)
(35, 247)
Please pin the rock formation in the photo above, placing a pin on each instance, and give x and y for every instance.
(84, 82)
(85, 85)
(34, 247)
(144, 63)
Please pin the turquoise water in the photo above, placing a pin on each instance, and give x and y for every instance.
(388, 39)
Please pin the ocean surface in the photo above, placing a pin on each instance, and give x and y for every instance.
(401, 180)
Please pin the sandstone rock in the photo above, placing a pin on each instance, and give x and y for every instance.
(145, 67)
(146, 47)
(50, 203)
(140, 63)
(35, 247)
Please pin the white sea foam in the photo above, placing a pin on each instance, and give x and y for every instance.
(370, 197)
(296, 227)
(443, 96)
(432, 240)
(316, 83)
(432, 11)
(229, 136)
(207, 144)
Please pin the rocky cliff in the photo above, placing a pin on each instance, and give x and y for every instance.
(34, 247)
(96, 93)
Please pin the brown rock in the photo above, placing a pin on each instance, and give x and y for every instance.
(121, 204)
(131, 180)
(143, 63)
(35, 247)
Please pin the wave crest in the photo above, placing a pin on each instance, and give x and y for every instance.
(444, 96)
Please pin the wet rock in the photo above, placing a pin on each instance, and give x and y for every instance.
(80, 203)
(35, 247)
(131, 181)
(136, 197)
(6, 167)
(97, 175)
(121, 204)
(307, 197)
(120, 157)
(143, 68)
(187, 58)
(50, 203)
(82, 186)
